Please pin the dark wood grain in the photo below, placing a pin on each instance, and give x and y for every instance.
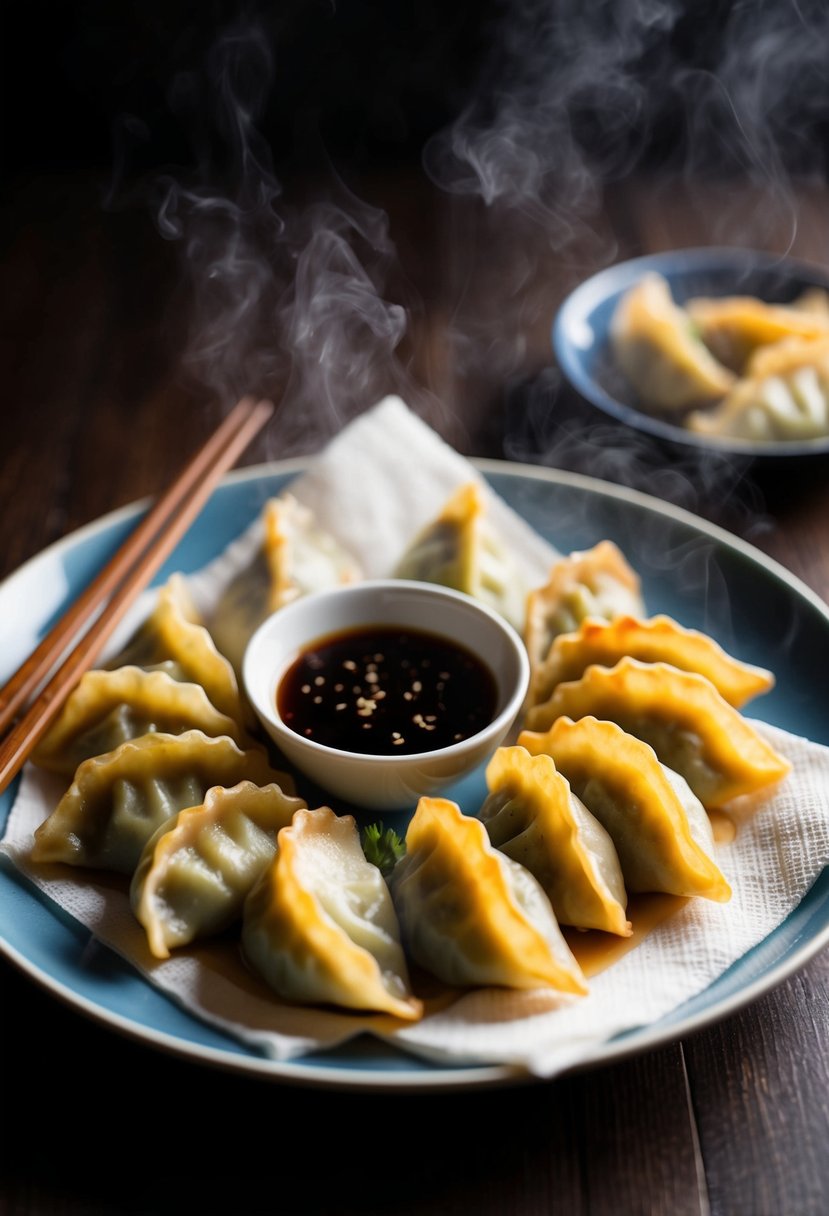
(100, 410)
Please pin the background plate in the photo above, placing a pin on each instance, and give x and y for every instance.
(581, 337)
(690, 569)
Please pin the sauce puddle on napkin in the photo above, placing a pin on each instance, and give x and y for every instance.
(596, 951)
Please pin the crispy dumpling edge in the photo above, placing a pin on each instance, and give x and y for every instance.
(611, 748)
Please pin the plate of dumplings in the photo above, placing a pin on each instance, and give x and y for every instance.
(712, 348)
(645, 647)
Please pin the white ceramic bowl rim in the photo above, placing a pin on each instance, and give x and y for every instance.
(509, 700)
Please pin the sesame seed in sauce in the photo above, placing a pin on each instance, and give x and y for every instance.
(453, 690)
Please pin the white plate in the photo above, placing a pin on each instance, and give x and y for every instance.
(704, 577)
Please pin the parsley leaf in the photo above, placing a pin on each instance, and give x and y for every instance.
(383, 847)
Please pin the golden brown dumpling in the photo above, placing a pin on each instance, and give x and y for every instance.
(597, 583)
(471, 915)
(534, 817)
(692, 729)
(175, 633)
(320, 926)
(734, 327)
(657, 348)
(660, 829)
(652, 640)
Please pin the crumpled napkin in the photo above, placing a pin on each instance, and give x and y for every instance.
(376, 484)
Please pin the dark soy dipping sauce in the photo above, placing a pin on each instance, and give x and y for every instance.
(385, 690)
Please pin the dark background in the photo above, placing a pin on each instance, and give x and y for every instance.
(720, 86)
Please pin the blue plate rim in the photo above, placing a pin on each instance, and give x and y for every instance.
(574, 308)
(443, 1077)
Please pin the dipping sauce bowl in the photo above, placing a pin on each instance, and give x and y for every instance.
(402, 665)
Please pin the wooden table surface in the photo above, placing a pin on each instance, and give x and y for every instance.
(100, 409)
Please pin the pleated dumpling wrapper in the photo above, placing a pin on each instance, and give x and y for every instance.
(472, 916)
(657, 347)
(197, 869)
(533, 816)
(118, 799)
(734, 327)
(175, 632)
(296, 557)
(319, 925)
(692, 729)
(109, 707)
(598, 583)
(784, 396)
(657, 639)
(661, 831)
(462, 550)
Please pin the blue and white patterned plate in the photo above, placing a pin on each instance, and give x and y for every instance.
(697, 573)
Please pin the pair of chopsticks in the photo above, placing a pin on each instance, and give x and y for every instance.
(102, 605)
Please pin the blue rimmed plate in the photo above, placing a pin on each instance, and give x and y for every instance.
(581, 336)
(690, 569)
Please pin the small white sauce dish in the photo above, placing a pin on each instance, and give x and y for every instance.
(385, 782)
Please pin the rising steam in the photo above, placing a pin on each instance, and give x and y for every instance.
(303, 302)
(286, 300)
(575, 97)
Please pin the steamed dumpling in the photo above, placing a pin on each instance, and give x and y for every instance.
(109, 707)
(534, 817)
(657, 639)
(461, 549)
(296, 557)
(118, 799)
(471, 915)
(657, 348)
(661, 831)
(320, 926)
(175, 633)
(692, 729)
(597, 583)
(734, 327)
(197, 869)
(784, 396)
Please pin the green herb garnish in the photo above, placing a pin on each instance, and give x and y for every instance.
(383, 847)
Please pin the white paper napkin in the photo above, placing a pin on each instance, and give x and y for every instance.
(379, 481)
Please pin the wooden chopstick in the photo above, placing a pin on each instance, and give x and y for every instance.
(16, 692)
(126, 574)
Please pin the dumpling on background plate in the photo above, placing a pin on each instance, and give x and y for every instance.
(472, 916)
(461, 549)
(659, 350)
(661, 831)
(814, 300)
(198, 868)
(533, 816)
(319, 925)
(692, 729)
(734, 327)
(784, 396)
